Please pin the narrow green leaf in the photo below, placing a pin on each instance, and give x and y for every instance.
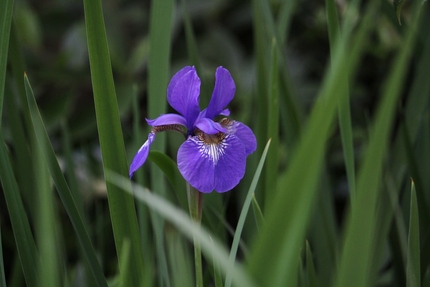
(361, 225)
(271, 170)
(121, 205)
(180, 261)
(210, 246)
(413, 274)
(244, 213)
(45, 221)
(2, 275)
(258, 215)
(398, 9)
(23, 167)
(6, 9)
(288, 97)
(288, 216)
(62, 187)
(261, 75)
(344, 107)
(160, 29)
(310, 267)
(21, 228)
(193, 55)
(170, 169)
(217, 273)
(125, 260)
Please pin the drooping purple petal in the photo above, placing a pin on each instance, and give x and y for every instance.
(208, 126)
(183, 94)
(167, 119)
(212, 166)
(223, 93)
(244, 133)
(141, 155)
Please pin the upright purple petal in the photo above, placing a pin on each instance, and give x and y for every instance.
(183, 94)
(212, 166)
(167, 119)
(223, 93)
(141, 155)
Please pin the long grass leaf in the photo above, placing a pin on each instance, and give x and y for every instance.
(244, 213)
(63, 189)
(258, 215)
(288, 216)
(344, 107)
(6, 8)
(2, 274)
(271, 170)
(121, 205)
(160, 29)
(211, 248)
(193, 54)
(19, 140)
(358, 247)
(289, 97)
(310, 267)
(170, 169)
(413, 274)
(21, 228)
(45, 221)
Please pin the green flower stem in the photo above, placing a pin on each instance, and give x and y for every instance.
(195, 208)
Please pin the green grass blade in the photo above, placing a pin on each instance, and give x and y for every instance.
(271, 170)
(121, 205)
(170, 169)
(344, 107)
(288, 97)
(258, 215)
(244, 213)
(358, 247)
(23, 167)
(62, 187)
(160, 29)
(125, 260)
(6, 8)
(180, 261)
(210, 246)
(21, 228)
(292, 205)
(193, 55)
(49, 274)
(2, 275)
(413, 274)
(310, 267)
(217, 273)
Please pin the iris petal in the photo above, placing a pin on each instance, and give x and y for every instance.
(208, 126)
(167, 119)
(245, 134)
(223, 93)
(141, 155)
(183, 94)
(212, 166)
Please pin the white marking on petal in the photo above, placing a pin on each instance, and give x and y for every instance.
(213, 151)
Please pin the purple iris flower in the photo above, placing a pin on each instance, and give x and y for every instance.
(213, 156)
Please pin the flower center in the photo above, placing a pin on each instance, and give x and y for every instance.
(210, 139)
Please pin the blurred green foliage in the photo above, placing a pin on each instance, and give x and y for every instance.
(280, 56)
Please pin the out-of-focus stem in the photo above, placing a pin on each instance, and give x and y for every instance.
(195, 208)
